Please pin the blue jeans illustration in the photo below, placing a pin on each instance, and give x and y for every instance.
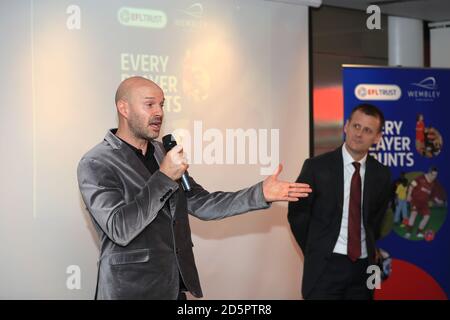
(402, 208)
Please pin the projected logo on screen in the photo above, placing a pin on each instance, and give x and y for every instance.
(367, 92)
(196, 78)
(143, 18)
(195, 10)
(192, 17)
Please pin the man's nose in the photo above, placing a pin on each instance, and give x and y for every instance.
(158, 111)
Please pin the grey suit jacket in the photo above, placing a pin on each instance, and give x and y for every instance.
(145, 247)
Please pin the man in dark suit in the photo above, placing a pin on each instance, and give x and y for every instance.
(337, 225)
(131, 189)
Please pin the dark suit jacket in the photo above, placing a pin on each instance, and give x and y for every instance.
(315, 221)
(146, 244)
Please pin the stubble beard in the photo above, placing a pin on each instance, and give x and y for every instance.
(140, 129)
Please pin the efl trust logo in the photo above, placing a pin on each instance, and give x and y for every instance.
(425, 90)
(142, 18)
(368, 92)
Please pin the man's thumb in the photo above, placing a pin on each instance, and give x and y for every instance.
(278, 170)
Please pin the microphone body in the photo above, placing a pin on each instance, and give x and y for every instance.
(169, 142)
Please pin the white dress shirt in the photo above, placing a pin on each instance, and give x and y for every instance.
(349, 169)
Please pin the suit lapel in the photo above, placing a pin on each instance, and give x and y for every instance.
(159, 152)
(134, 162)
(368, 185)
(337, 169)
(129, 157)
(131, 160)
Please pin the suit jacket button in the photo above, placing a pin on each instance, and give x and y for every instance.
(161, 199)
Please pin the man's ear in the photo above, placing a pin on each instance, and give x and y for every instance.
(345, 127)
(123, 108)
(378, 137)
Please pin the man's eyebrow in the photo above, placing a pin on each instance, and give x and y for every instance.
(153, 99)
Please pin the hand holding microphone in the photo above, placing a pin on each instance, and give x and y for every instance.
(174, 164)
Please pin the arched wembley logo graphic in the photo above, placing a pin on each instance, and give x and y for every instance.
(195, 10)
(427, 83)
(426, 90)
(192, 17)
(367, 92)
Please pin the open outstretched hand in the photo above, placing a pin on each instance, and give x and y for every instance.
(276, 190)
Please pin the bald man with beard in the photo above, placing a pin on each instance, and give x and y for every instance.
(131, 189)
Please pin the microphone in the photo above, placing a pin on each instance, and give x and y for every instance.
(169, 142)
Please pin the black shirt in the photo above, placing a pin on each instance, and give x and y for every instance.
(148, 159)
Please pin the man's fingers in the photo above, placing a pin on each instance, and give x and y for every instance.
(176, 153)
(297, 194)
(299, 185)
(177, 149)
(301, 190)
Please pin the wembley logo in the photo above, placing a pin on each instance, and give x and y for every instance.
(192, 17)
(426, 90)
(195, 10)
(427, 83)
(368, 92)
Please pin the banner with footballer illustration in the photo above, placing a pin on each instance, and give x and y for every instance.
(415, 243)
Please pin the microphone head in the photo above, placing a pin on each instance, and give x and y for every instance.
(169, 142)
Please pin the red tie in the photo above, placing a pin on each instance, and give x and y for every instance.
(354, 216)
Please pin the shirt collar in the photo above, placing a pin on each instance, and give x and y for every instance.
(348, 159)
(150, 148)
